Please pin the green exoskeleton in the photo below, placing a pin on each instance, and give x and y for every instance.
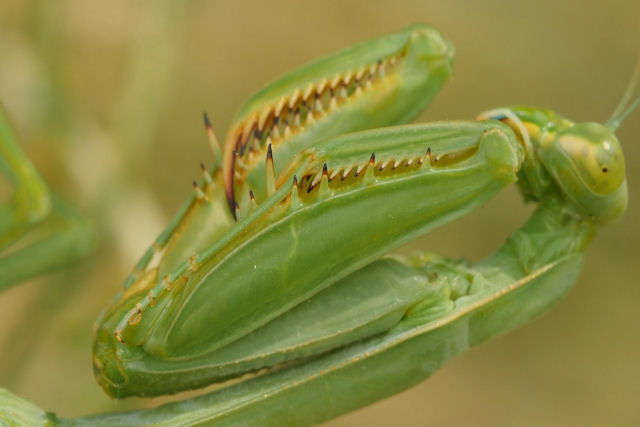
(276, 265)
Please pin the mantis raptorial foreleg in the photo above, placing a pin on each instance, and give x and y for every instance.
(383, 81)
(476, 161)
(38, 230)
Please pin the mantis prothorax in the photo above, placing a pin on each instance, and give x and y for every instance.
(273, 266)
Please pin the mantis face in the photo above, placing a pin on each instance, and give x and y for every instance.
(588, 164)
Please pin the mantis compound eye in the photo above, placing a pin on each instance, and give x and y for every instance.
(596, 155)
(586, 161)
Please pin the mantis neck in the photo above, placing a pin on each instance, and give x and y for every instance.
(532, 271)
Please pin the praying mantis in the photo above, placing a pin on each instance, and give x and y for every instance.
(276, 264)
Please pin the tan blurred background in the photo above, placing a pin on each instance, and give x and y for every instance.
(108, 100)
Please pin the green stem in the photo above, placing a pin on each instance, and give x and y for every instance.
(30, 202)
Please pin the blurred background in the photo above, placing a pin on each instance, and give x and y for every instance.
(108, 99)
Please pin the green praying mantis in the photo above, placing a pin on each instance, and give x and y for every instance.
(274, 271)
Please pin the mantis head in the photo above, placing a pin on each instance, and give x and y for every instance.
(587, 163)
(582, 161)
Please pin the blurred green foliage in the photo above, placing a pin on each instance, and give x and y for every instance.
(108, 99)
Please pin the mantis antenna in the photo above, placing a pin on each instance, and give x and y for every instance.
(625, 108)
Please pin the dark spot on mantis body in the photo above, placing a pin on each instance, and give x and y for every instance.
(605, 170)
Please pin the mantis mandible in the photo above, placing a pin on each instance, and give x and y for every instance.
(276, 264)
